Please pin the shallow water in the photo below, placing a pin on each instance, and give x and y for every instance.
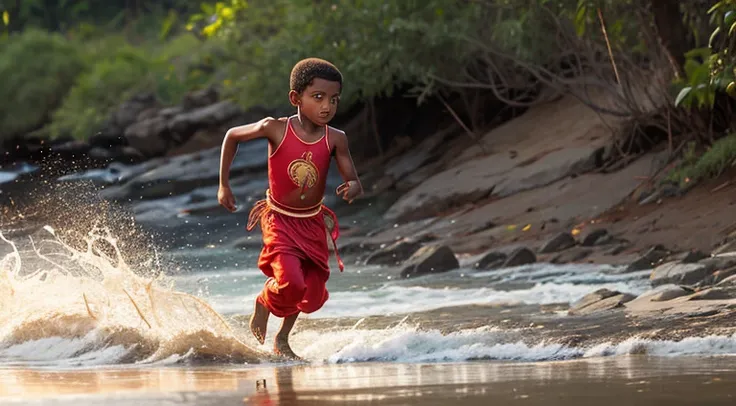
(629, 380)
(79, 325)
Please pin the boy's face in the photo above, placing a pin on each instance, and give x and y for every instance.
(319, 100)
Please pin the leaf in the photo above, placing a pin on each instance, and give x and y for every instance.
(713, 36)
(6, 17)
(715, 7)
(580, 18)
(682, 95)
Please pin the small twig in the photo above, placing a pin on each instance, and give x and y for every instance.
(137, 309)
(608, 44)
(86, 304)
(721, 186)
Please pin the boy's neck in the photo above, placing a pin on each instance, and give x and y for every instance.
(307, 125)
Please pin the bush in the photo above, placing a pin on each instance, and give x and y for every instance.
(718, 158)
(99, 90)
(37, 69)
(116, 73)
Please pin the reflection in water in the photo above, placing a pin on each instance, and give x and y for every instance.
(472, 383)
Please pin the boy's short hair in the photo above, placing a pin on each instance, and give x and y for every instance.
(306, 70)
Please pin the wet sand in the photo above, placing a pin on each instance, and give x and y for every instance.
(630, 380)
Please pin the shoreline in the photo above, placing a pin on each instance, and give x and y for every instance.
(633, 379)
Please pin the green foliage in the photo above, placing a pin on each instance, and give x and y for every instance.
(37, 70)
(712, 68)
(107, 83)
(381, 45)
(169, 71)
(720, 157)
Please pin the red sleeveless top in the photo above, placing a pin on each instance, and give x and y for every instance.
(297, 170)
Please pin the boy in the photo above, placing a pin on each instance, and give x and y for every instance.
(292, 217)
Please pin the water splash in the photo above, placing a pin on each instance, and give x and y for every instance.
(58, 303)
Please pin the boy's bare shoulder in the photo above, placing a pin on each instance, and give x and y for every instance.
(274, 127)
(336, 134)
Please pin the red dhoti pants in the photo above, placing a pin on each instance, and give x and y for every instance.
(295, 257)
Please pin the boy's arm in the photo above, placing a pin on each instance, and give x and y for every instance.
(345, 165)
(265, 128)
(236, 135)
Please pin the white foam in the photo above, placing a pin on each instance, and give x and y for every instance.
(395, 299)
(405, 343)
(64, 307)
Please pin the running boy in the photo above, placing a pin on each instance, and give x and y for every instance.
(293, 218)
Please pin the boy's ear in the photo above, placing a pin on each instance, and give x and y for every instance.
(294, 98)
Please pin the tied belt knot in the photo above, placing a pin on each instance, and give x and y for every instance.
(262, 207)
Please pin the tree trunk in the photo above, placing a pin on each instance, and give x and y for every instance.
(672, 31)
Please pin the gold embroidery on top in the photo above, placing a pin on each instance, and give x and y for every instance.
(303, 172)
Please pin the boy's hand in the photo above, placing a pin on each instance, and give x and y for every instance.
(349, 190)
(226, 198)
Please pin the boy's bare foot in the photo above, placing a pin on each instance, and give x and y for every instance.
(259, 322)
(281, 347)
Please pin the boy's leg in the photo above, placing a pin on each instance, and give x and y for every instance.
(280, 295)
(281, 343)
(315, 296)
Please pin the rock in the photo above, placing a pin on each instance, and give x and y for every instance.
(560, 242)
(520, 256)
(495, 174)
(149, 137)
(170, 112)
(571, 256)
(719, 276)
(617, 249)
(107, 141)
(673, 272)
(729, 281)
(187, 123)
(184, 173)
(672, 292)
(72, 149)
(727, 247)
(649, 260)
(101, 154)
(600, 300)
(430, 259)
(491, 260)
(393, 254)
(593, 297)
(719, 293)
(596, 237)
(200, 98)
(719, 262)
(128, 113)
(694, 256)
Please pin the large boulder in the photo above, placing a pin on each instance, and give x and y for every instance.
(520, 256)
(600, 300)
(560, 242)
(393, 254)
(430, 259)
(649, 259)
(149, 136)
(679, 273)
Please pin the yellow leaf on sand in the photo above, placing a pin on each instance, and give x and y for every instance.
(575, 231)
(511, 227)
(527, 227)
